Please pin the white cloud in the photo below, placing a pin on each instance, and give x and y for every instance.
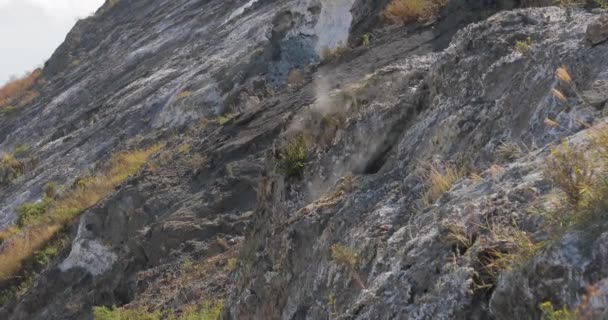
(60, 8)
(32, 29)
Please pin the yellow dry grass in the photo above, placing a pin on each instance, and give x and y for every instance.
(437, 181)
(407, 11)
(19, 244)
(19, 88)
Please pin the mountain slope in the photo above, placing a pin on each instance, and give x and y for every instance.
(219, 213)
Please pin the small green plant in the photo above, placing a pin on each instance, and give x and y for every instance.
(29, 213)
(44, 256)
(524, 46)
(572, 171)
(550, 313)
(365, 40)
(292, 157)
(223, 119)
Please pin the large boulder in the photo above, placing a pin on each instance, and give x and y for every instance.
(597, 31)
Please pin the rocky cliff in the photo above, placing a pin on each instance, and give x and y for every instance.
(313, 161)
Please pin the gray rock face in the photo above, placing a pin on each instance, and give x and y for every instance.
(213, 217)
(597, 31)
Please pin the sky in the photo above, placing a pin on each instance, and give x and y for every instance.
(31, 30)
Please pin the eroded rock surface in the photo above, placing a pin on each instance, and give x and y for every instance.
(213, 217)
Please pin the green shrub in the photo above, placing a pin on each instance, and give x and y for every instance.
(572, 171)
(30, 212)
(292, 158)
(549, 312)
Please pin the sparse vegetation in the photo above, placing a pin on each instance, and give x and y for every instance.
(295, 78)
(8, 294)
(18, 91)
(331, 54)
(40, 223)
(513, 248)
(10, 169)
(366, 39)
(28, 213)
(348, 258)
(22, 151)
(599, 3)
(550, 313)
(407, 11)
(292, 157)
(183, 95)
(14, 165)
(437, 180)
(572, 171)
(524, 46)
(223, 119)
(196, 161)
(231, 264)
(562, 75)
(205, 311)
(508, 151)
(457, 237)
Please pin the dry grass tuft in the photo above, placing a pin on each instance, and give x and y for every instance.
(329, 54)
(19, 89)
(508, 151)
(407, 11)
(437, 180)
(296, 78)
(513, 248)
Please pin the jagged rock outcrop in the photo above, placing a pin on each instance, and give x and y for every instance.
(212, 216)
(459, 104)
